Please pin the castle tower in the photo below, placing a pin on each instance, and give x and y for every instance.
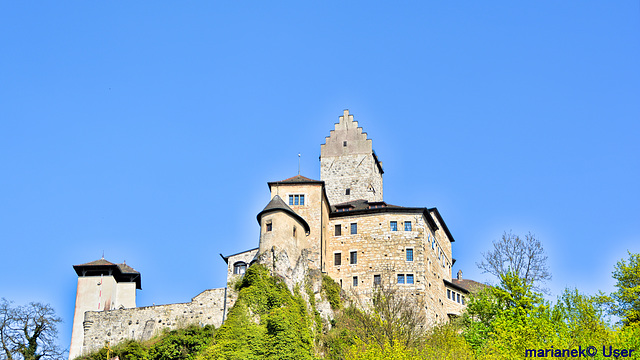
(102, 286)
(282, 229)
(348, 165)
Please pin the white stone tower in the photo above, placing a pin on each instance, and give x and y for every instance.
(348, 165)
(102, 286)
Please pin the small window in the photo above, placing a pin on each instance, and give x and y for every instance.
(407, 226)
(294, 231)
(269, 226)
(239, 268)
(347, 192)
(448, 294)
(353, 257)
(354, 228)
(296, 199)
(337, 259)
(338, 230)
(393, 226)
(355, 281)
(344, 143)
(400, 278)
(433, 244)
(463, 300)
(409, 253)
(376, 280)
(458, 296)
(409, 278)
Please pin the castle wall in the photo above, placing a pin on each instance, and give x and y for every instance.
(143, 323)
(383, 252)
(356, 172)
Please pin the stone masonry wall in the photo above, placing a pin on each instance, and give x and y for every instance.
(143, 323)
(381, 251)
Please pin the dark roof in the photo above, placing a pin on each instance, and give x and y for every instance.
(276, 204)
(121, 272)
(226, 258)
(363, 207)
(455, 286)
(442, 223)
(298, 179)
(470, 285)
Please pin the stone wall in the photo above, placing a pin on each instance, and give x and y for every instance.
(143, 323)
(383, 252)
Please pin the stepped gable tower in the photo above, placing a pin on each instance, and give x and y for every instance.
(102, 286)
(348, 165)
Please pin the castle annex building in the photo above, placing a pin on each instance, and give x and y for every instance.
(339, 225)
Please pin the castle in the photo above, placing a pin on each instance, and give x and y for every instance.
(339, 225)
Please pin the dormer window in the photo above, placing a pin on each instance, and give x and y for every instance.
(297, 199)
(344, 208)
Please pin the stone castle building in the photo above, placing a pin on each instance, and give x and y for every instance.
(339, 225)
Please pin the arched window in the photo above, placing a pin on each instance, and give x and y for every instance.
(239, 268)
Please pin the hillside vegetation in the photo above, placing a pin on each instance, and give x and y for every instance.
(506, 321)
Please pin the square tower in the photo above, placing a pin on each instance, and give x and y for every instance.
(348, 165)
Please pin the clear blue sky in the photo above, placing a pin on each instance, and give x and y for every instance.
(148, 130)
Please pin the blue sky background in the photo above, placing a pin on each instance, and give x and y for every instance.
(148, 130)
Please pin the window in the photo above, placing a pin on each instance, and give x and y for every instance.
(355, 281)
(409, 278)
(376, 280)
(239, 268)
(347, 192)
(354, 228)
(338, 230)
(393, 225)
(448, 294)
(344, 143)
(409, 253)
(294, 231)
(463, 300)
(458, 296)
(353, 257)
(400, 278)
(296, 199)
(407, 226)
(337, 259)
(269, 226)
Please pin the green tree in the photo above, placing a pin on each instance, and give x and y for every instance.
(28, 332)
(627, 298)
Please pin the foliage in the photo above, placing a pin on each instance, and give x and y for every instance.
(181, 344)
(524, 258)
(332, 291)
(266, 322)
(28, 332)
(627, 298)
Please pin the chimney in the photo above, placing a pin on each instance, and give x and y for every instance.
(459, 274)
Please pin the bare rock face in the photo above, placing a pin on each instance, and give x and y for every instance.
(301, 274)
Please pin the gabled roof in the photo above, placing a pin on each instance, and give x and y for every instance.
(442, 223)
(298, 179)
(363, 207)
(226, 258)
(121, 272)
(276, 204)
(469, 285)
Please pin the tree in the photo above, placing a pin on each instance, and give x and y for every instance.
(627, 299)
(524, 258)
(28, 332)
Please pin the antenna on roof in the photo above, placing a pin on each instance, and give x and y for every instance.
(102, 254)
(298, 163)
